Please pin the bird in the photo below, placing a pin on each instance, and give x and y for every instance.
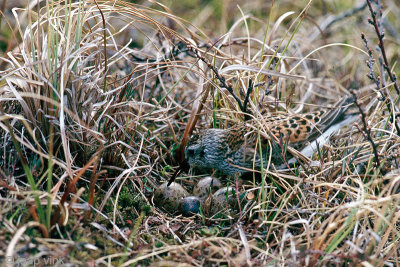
(235, 150)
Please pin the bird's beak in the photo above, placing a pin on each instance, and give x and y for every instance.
(184, 166)
(176, 173)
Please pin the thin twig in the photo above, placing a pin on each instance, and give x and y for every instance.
(377, 80)
(366, 130)
(379, 32)
(344, 15)
(220, 78)
(246, 99)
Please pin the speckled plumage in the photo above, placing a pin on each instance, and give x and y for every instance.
(234, 150)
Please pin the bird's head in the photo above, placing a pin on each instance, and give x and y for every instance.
(206, 149)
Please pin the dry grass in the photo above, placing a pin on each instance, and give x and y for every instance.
(97, 96)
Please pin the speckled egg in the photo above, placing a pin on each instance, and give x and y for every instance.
(221, 200)
(223, 195)
(206, 185)
(168, 197)
(189, 206)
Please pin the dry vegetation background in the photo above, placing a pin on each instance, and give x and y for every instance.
(95, 97)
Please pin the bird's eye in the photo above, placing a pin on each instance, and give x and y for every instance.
(202, 153)
(190, 152)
